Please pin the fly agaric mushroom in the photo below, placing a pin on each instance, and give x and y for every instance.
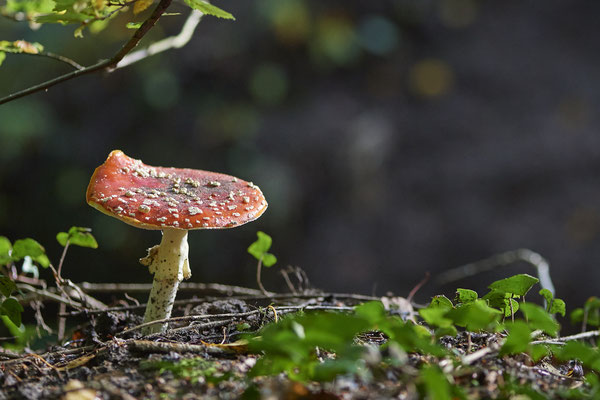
(173, 200)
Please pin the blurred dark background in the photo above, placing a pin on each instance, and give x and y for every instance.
(390, 138)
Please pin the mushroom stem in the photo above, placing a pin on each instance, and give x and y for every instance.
(169, 264)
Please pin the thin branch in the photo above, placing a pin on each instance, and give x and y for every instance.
(57, 57)
(564, 339)
(499, 260)
(172, 42)
(106, 64)
(283, 296)
(225, 290)
(187, 318)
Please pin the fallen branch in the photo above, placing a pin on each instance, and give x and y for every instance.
(564, 339)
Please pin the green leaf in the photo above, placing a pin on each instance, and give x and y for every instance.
(474, 316)
(547, 295)
(518, 339)
(209, 9)
(502, 301)
(261, 245)
(371, 311)
(436, 316)
(538, 351)
(465, 296)
(77, 236)
(440, 301)
(12, 309)
(269, 260)
(27, 247)
(7, 286)
(558, 307)
(436, 384)
(133, 25)
(538, 318)
(5, 248)
(2, 57)
(518, 284)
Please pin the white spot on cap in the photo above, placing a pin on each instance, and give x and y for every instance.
(144, 208)
(162, 219)
(194, 210)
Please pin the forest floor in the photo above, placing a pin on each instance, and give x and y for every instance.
(201, 356)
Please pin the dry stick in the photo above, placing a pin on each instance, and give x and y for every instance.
(562, 340)
(227, 290)
(502, 259)
(172, 42)
(282, 296)
(187, 318)
(106, 64)
(166, 347)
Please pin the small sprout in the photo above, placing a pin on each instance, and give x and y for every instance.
(78, 236)
(258, 250)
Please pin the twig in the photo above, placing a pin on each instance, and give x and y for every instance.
(166, 347)
(225, 290)
(187, 318)
(499, 260)
(47, 295)
(564, 339)
(281, 296)
(172, 42)
(106, 64)
(58, 57)
(258, 279)
(417, 287)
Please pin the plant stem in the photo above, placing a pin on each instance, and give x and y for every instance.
(258, 279)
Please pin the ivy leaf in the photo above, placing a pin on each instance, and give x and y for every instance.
(269, 260)
(372, 311)
(554, 306)
(518, 284)
(465, 296)
(31, 248)
(7, 286)
(77, 236)
(208, 9)
(518, 339)
(436, 316)
(502, 301)
(539, 318)
(474, 316)
(20, 46)
(436, 384)
(5, 248)
(440, 301)
(12, 309)
(259, 249)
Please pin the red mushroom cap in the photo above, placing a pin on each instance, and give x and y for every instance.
(159, 198)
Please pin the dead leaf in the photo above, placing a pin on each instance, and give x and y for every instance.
(239, 346)
(78, 362)
(77, 391)
(141, 5)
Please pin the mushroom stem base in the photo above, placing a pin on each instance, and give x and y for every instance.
(169, 264)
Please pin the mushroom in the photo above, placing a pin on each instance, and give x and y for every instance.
(174, 201)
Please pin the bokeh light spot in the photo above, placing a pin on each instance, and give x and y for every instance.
(22, 123)
(431, 78)
(70, 186)
(269, 83)
(335, 41)
(289, 19)
(457, 13)
(378, 35)
(161, 89)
